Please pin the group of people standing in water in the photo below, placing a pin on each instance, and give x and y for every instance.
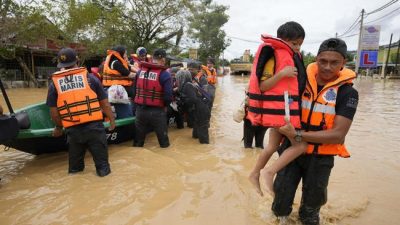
(143, 86)
(308, 111)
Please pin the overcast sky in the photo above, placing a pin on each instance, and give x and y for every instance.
(321, 19)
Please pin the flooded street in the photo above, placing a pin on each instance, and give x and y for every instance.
(193, 184)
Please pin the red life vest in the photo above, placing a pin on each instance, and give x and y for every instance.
(77, 103)
(148, 88)
(318, 109)
(268, 108)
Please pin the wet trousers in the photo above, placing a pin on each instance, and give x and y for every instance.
(251, 132)
(154, 118)
(201, 115)
(314, 171)
(96, 142)
(175, 116)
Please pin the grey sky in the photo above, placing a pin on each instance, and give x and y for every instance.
(321, 19)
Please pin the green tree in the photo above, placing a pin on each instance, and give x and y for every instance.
(394, 56)
(22, 24)
(101, 24)
(307, 58)
(350, 56)
(205, 27)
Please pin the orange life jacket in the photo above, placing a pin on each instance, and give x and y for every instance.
(77, 103)
(113, 77)
(268, 108)
(211, 74)
(135, 58)
(149, 91)
(318, 109)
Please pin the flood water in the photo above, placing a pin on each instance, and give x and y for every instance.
(193, 184)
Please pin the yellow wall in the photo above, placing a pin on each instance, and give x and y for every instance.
(382, 54)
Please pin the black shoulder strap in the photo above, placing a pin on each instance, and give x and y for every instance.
(301, 72)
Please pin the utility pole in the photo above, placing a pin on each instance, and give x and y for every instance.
(387, 56)
(336, 35)
(359, 42)
(397, 57)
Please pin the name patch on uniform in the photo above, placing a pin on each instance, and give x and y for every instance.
(69, 83)
(330, 95)
(148, 75)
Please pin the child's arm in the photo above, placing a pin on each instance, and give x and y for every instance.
(288, 71)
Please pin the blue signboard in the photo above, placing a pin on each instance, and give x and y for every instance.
(368, 59)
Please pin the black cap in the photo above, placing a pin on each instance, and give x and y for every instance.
(66, 58)
(120, 49)
(334, 44)
(159, 54)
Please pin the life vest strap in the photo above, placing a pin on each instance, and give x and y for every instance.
(151, 92)
(63, 116)
(274, 98)
(147, 96)
(84, 102)
(293, 112)
(108, 77)
(88, 105)
(310, 127)
(66, 106)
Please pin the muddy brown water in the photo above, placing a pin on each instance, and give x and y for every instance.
(193, 184)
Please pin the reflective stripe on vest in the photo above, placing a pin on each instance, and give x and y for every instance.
(77, 103)
(268, 108)
(113, 77)
(318, 109)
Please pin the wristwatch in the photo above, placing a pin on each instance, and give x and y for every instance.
(298, 137)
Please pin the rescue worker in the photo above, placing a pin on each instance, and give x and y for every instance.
(195, 102)
(210, 73)
(153, 92)
(117, 71)
(329, 103)
(77, 102)
(140, 56)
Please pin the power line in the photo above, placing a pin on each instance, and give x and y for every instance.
(357, 21)
(382, 7)
(246, 40)
(351, 35)
(353, 25)
(383, 16)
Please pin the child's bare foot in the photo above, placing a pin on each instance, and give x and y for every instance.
(255, 180)
(269, 180)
